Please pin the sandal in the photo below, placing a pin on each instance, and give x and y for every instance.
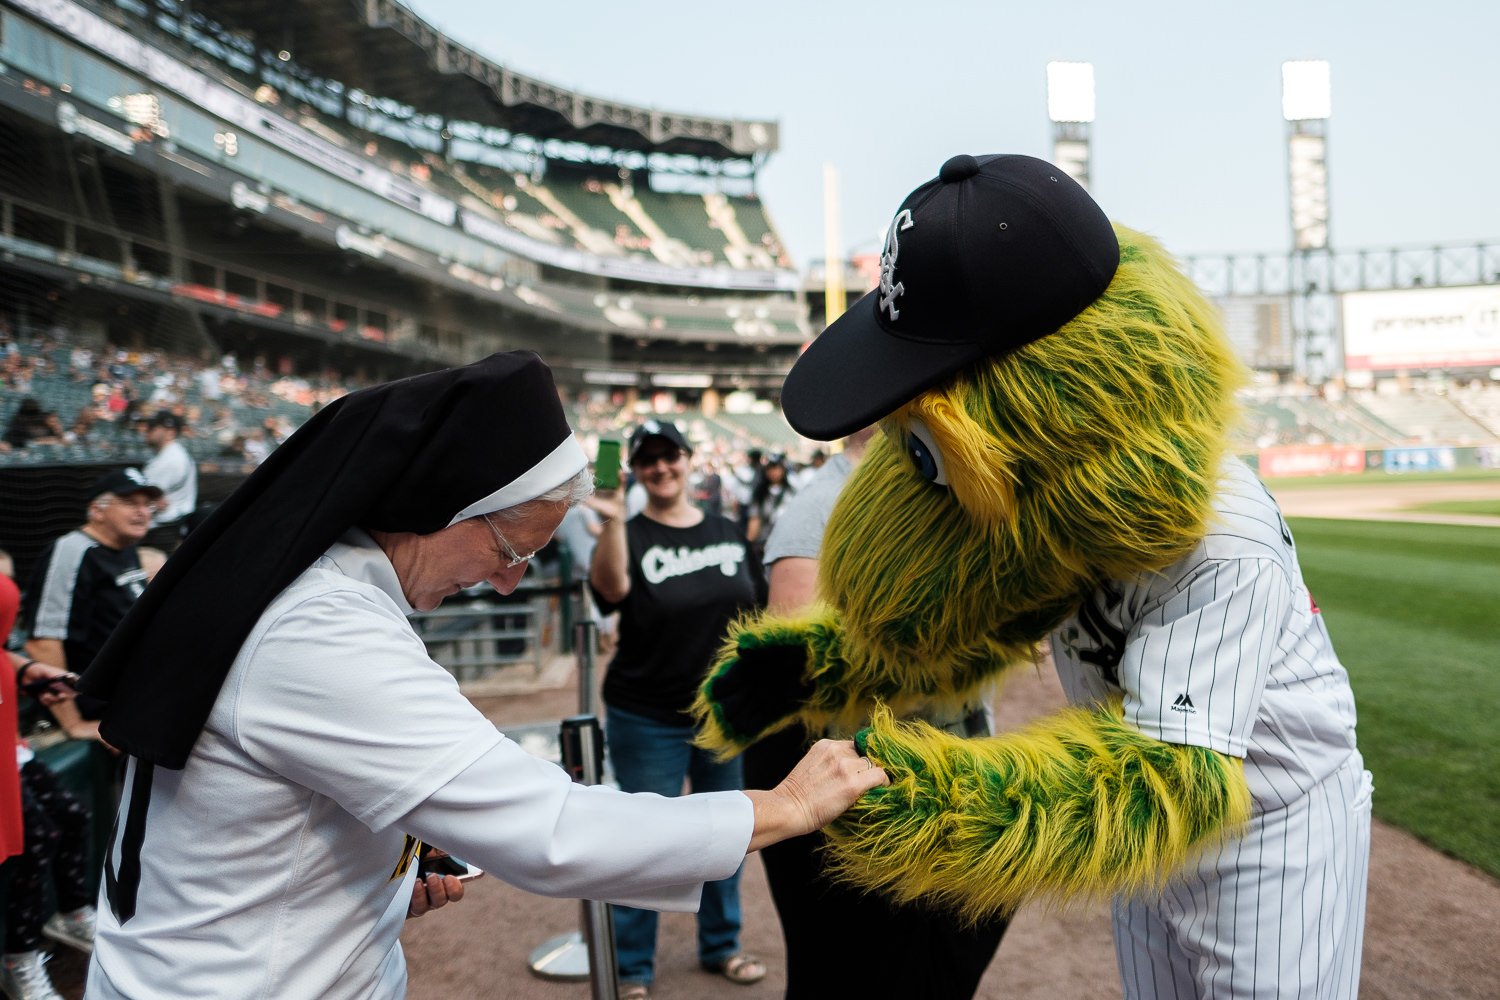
(634, 991)
(742, 969)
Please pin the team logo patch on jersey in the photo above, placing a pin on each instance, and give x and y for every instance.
(1098, 619)
(1184, 704)
(132, 581)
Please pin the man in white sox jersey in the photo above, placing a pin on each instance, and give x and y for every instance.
(85, 582)
(291, 743)
(1054, 468)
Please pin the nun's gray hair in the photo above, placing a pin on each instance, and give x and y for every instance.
(572, 493)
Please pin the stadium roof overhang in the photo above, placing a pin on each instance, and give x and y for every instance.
(384, 48)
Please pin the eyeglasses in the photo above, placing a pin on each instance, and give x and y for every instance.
(647, 459)
(513, 559)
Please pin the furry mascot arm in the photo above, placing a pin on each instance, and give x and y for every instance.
(774, 669)
(1078, 804)
(767, 668)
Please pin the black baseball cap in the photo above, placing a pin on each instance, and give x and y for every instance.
(167, 419)
(123, 482)
(664, 429)
(995, 252)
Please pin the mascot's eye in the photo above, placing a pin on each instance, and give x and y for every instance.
(924, 453)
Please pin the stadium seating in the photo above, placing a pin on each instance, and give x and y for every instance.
(1365, 420)
(1481, 405)
(1371, 420)
(1338, 422)
(764, 430)
(1426, 419)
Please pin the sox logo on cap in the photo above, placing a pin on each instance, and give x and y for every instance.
(889, 286)
(1001, 250)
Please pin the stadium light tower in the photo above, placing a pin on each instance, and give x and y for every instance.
(1070, 105)
(1306, 104)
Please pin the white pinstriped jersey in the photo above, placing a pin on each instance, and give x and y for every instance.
(1225, 649)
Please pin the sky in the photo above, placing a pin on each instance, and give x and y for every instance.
(1188, 144)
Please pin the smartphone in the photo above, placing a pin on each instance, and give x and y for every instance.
(607, 465)
(38, 688)
(447, 864)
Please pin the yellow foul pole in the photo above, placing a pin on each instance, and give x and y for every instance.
(833, 256)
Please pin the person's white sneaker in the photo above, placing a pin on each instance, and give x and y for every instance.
(23, 976)
(74, 929)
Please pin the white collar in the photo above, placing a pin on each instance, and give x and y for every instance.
(357, 556)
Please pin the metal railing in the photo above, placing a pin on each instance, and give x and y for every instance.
(485, 636)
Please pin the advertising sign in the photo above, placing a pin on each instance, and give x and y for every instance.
(1422, 328)
(1311, 460)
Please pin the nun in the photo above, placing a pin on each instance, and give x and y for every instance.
(290, 745)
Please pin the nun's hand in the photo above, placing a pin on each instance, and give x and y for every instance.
(827, 781)
(433, 892)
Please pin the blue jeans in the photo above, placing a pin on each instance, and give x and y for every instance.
(650, 756)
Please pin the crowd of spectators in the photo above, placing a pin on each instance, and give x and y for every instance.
(69, 402)
(63, 401)
(66, 402)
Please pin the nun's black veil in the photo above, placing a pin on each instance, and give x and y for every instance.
(404, 456)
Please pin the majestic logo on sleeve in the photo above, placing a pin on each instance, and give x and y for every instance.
(889, 286)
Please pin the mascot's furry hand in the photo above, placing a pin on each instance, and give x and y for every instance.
(774, 670)
(1079, 804)
(761, 678)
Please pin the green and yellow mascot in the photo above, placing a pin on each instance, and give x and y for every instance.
(1054, 399)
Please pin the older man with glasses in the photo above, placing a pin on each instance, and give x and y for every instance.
(85, 582)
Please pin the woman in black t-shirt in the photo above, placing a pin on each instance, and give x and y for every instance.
(677, 576)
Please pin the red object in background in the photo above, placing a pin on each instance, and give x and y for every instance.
(1311, 460)
(12, 833)
(203, 293)
(868, 267)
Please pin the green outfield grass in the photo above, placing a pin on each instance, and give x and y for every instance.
(1487, 507)
(1378, 478)
(1413, 613)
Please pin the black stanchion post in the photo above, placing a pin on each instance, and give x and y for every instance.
(583, 756)
(586, 640)
(582, 748)
(590, 954)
